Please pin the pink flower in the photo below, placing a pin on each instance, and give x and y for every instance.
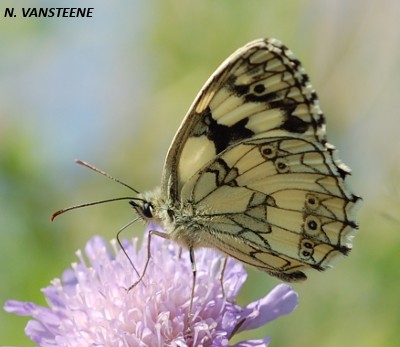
(90, 306)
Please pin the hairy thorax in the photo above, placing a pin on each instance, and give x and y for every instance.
(183, 223)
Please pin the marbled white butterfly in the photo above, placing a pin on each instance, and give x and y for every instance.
(250, 171)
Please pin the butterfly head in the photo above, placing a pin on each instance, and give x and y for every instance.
(152, 208)
(143, 208)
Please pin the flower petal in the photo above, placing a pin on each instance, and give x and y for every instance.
(21, 308)
(254, 343)
(280, 301)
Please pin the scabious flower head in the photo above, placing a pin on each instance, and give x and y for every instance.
(90, 305)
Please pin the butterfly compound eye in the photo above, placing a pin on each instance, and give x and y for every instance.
(147, 210)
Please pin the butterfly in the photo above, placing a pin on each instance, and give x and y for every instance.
(250, 172)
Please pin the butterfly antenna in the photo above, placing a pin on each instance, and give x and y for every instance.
(57, 213)
(101, 172)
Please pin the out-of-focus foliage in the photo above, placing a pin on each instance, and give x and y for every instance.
(113, 89)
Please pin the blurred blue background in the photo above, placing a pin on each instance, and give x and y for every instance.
(114, 88)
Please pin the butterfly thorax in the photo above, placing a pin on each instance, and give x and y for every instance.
(182, 222)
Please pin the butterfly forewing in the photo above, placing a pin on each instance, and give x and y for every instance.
(250, 172)
(260, 91)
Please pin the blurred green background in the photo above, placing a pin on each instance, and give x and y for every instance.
(113, 89)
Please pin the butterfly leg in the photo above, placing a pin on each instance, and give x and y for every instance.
(221, 277)
(151, 233)
(190, 315)
(123, 248)
(194, 271)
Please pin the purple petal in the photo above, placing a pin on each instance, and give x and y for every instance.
(280, 301)
(254, 343)
(38, 333)
(21, 308)
(37, 330)
(96, 246)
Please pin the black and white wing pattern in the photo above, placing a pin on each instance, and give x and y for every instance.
(250, 172)
(279, 204)
(261, 90)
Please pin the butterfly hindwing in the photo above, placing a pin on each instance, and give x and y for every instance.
(279, 204)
